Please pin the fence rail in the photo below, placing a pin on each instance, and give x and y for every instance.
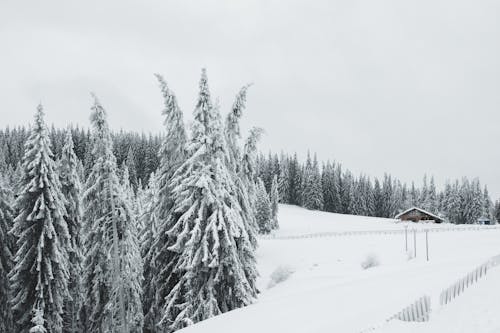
(379, 232)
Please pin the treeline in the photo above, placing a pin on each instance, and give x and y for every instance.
(87, 246)
(326, 186)
(138, 151)
(332, 188)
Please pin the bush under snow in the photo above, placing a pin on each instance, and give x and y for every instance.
(280, 274)
(371, 260)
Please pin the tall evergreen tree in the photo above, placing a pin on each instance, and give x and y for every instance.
(132, 169)
(40, 275)
(263, 209)
(208, 227)
(161, 275)
(113, 267)
(284, 180)
(274, 200)
(487, 204)
(71, 190)
(6, 255)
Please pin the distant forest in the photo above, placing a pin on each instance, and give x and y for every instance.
(326, 186)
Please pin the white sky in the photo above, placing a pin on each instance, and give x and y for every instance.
(406, 87)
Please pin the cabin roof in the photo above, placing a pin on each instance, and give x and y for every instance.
(421, 210)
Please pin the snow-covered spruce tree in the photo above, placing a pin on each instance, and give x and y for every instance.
(72, 190)
(263, 211)
(238, 165)
(132, 169)
(6, 255)
(487, 204)
(113, 266)
(241, 165)
(40, 275)
(208, 227)
(149, 222)
(496, 211)
(160, 275)
(274, 199)
(284, 180)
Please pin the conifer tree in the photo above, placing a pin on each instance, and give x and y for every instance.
(496, 211)
(6, 255)
(284, 180)
(274, 199)
(71, 190)
(208, 227)
(486, 203)
(132, 170)
(263, 209)
(113, 267)
(161, 276)
(149, 222)
(40, 275)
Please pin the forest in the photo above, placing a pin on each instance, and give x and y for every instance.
(105, 231)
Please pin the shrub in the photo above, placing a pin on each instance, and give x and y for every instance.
(371, 260)
(280, 274)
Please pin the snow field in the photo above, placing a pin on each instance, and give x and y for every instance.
(329, 291)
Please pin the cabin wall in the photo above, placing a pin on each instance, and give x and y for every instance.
(416, 215)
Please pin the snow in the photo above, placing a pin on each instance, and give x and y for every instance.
(476, 311)
(329, 291)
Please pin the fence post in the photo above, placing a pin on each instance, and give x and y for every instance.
(415, 242)
(406, 238)
(427, 244)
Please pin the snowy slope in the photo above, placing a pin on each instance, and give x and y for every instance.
(330, 292)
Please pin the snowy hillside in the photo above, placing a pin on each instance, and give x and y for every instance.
(329, 291)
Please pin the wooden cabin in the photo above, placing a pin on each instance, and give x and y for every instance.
(416, 214)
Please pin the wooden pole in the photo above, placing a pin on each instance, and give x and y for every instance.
(406, 238)
(427, 244)
(415, 242)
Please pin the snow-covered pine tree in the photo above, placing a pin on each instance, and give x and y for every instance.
(496, 211)
(378, 199)
(316, 190)
(113, 266)
(72, 190)
(132, 169)
(487, 204)
(149, 222)
(6, 255)
(424, 194)
(274, 199)
(312, 194)
(431, 196)
(208, 227)
(160, 262)
(295, 181)
(242, 165)
(263, 211)
(329, 187)
(40, 274)
(284, 180)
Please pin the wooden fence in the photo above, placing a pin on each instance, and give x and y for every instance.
(419, 310)
(380, 232)
(459, 287)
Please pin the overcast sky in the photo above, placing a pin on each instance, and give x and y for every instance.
(406, 87)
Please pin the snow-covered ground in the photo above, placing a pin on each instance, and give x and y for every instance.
(329, 291)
